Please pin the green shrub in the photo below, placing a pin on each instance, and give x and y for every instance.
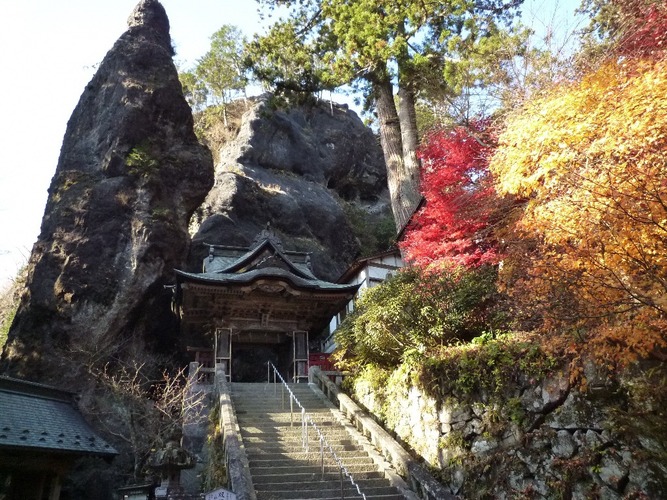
(415, 313)
(141, 161)
(492, 367)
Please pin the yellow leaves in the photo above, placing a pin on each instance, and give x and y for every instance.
(613, 112)
(591, 160)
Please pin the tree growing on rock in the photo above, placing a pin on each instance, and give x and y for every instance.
(219, 75)
(391, 50)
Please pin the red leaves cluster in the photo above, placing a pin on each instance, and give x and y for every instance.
(645, 28)
(453, 227)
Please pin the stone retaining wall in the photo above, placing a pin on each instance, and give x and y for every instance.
(545, 438)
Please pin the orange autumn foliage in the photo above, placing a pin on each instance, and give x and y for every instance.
(591, 160)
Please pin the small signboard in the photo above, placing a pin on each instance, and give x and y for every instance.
(220, 494)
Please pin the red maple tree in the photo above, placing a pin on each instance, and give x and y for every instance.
(454, 226)
(644, 25)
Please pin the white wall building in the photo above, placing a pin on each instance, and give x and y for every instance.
(367, 273)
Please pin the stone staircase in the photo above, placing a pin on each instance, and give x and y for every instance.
(279, 465)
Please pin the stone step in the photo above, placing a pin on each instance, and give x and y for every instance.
(265, 410)
(310, 458)
(313, 441)
(286, 431)
(285, 448)
(277, 399)
(325, 495)
(280, 432)
(264, 421)
(273, 399)
(259, 388)
(301, 390)
(289, 467)
(254, 413)
(328, 494)
(367, 486)
(306, 477)
(274, 392)
(295, 430)
(280, 418)
(285, 421)
(260, 455)
(278, 408)
(279, 465)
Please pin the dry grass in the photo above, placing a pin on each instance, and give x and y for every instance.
(9, 302)
(211, 129)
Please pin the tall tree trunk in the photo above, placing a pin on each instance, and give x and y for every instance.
(392, 147)
(407, 117)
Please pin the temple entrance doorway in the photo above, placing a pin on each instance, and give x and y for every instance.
(249, 360)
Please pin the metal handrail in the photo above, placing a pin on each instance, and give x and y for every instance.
(305, 420)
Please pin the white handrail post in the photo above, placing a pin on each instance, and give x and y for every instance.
(305, 428)
(291, 411)
(322, 454)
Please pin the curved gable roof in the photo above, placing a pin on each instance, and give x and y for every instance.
(251, 261)
(270, 273)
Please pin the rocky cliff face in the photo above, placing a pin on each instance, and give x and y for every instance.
(131, 173)
(307, 171)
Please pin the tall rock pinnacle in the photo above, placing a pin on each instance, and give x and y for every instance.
(130, 174)
(150, 14)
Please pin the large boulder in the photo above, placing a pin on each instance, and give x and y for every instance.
(315, 172)
(130, 174)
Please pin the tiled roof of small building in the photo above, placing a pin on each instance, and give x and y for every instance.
(39, 417)
(296, 262)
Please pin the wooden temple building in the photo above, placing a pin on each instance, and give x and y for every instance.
(253, 305)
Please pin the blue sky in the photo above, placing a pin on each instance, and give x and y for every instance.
(48, 53)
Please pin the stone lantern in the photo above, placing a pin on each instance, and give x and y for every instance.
(168, 462)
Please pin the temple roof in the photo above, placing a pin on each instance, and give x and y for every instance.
(267, 273)
(262, 288)
(265, 259)
(42, 418)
